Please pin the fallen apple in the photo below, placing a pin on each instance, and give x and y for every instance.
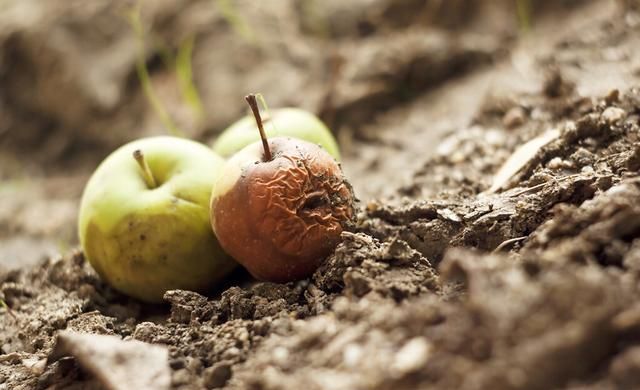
(144, 218)
(285, 122)
(280, 205)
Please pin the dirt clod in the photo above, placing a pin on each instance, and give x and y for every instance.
(117, 364)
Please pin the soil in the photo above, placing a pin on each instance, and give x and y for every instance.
(497, 244)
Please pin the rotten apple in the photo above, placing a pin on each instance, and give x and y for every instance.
(280, 205)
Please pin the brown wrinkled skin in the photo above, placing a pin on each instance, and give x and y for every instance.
(283, 217)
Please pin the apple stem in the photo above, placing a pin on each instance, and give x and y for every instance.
(253, 104)
(146, 171)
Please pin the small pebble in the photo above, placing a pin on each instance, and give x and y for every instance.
(352, 355)
(180, 377)
(612, 97)
(412, 356)
(515, 117)
(280, 355)
(35, 365)
(555, 163)
(217, 375)
(231, 353)
(613, 115)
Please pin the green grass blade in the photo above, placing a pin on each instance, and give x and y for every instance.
(263, 103)
(184, 71)
(236, 21)
(133, 16)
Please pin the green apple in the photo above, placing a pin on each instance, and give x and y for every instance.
(144, 220)
(289, 122)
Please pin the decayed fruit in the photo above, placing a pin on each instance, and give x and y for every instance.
(280, 206)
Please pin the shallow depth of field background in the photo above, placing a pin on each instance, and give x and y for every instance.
(79, 78)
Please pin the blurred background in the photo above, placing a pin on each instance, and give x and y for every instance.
(79, 78)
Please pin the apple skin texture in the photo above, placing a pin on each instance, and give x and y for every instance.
(289, 122)
(144, 241)
(281, 218)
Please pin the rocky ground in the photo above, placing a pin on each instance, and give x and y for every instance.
(497, 161)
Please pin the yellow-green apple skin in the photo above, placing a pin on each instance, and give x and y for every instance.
(289, 122)
(144, 241)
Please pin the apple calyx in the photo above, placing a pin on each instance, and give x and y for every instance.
(146, 171)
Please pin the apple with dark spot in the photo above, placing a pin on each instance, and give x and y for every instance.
(280, 205)
(144, 218)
